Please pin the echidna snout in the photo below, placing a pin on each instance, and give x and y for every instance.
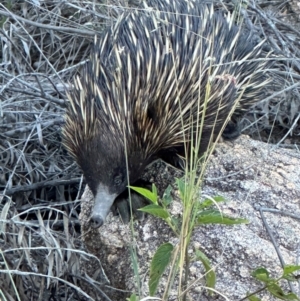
(102, 205)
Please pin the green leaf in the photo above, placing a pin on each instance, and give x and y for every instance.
(160, 261)
(154, 190)
(262, 274)
(150, 195)
(181, 187)
(133, 297)
(210, 202)
(210, 273)
(288, 269)
(290, 277)
(156, 210)
(175, 221)
(277, 291)
(290, 296)
(215, 217)
(254, 298)
(167, 198)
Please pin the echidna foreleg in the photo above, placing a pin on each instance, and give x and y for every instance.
(174, 156)
(121, 204)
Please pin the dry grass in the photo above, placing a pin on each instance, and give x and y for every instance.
(43, 44)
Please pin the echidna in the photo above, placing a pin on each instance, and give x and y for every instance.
(155, 77)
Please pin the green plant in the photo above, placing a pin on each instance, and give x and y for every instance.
(272, 285)
(205, 212)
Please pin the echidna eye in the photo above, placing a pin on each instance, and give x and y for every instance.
(118, 180)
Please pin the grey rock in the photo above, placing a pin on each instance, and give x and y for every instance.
(250, 175)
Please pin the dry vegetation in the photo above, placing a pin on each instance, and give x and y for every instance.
(43, 44)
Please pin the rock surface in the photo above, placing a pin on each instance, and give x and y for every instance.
(252, 177)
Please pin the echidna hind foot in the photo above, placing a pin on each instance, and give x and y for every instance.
(231, 131)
